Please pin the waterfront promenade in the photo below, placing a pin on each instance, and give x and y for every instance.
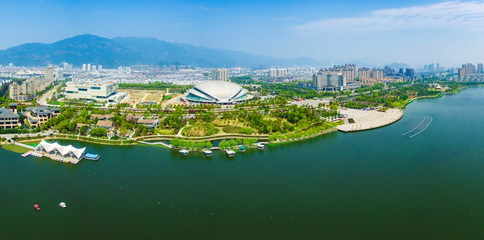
(369, 119)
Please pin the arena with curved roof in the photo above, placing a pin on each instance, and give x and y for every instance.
(217, 92)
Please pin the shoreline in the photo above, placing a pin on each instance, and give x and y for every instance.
(369, 124)
(282, 142)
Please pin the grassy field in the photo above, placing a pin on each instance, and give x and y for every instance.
(138, 96)
(222, 123)
(32, 142)
(15, 148)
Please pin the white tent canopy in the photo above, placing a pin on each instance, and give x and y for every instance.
(63, 150)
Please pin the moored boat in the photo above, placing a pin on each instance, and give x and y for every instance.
(184, 152)
(207, 153)
(92, 156)
(260, 146)
(230, 153)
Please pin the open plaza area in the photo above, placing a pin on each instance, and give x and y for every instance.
(358, 120)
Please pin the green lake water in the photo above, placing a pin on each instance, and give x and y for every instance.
(366, 185)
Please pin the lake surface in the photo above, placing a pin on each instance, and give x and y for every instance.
(367, 185)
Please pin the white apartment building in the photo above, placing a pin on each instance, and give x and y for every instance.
(220, 74)
(27, 90)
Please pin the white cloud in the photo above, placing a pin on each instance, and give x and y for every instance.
(445, 15)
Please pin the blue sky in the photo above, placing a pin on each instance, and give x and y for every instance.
(377, 32)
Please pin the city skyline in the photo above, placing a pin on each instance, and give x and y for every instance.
(412, 32)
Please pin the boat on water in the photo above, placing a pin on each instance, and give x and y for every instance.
(230, 153)
(62, 204)
(36, 207)
(207, 153)
(260, 146)
(27, 154)
(242, 148)
(184, 152)
(92, 156)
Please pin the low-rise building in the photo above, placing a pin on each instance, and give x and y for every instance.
(8, 119)
(150, 123)
(101, 92)
(102, 116)
(131, 117)
(105, 124)
(36, 116)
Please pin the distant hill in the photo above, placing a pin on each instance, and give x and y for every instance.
(397, 65)
(125, 51)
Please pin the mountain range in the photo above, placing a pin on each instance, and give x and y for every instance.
(125, 51)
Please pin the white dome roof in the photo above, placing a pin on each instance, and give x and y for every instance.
(219, 89)
(216, 91)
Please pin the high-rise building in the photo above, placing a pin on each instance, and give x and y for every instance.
(220, 74)
(480, 68)
(59, 74)
(277, 72)
(466, 70)
(272, 72)
(49, 74)
(27, 90)
(364, 73)
(410, 73)
(329, 80)
(349, 72)
(376, 74)
(88, 67)
(84, 68)
(100, 68)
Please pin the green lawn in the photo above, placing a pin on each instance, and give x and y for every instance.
(15, 148)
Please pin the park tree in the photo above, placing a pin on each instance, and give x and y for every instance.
(99, 132)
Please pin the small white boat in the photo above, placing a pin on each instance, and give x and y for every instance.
(184, 152)
(230, 153)
(207, 153)
(62, 204)
(260, 146)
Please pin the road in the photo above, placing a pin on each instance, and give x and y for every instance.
(48, 95)
(23, 135)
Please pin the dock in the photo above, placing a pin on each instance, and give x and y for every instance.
(59, 153)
